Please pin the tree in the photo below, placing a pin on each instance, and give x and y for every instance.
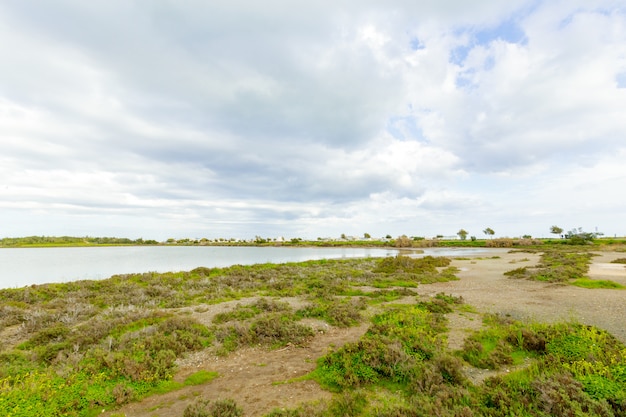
(489, 231)
(580, 237)
(367, 236)
(556, 230)
(462, 234)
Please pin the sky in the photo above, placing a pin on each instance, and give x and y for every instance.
(187, 119)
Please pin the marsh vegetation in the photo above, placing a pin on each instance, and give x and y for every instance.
(77, 348)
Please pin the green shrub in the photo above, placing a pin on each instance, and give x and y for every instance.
(273, 329)
(402, 263)
(522, 272)
(557, 266)
(441, 303)
(243, 312)
(396, 341)
(336, 311)
(348, 404)
(277, 330)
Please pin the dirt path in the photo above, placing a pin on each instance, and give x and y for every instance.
(252, 376)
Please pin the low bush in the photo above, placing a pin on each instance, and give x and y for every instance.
(509, 243)
(278, 330)
(413, 265)
(273, 330)
(441, 303)
(557, 266)
(243, 312)
(396, 341)
(219, 408)
(336, 311)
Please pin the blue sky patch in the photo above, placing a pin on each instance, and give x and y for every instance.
(404, 128)
(416, 44)
(508, 31)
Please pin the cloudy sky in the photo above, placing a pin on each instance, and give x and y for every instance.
(239, 118)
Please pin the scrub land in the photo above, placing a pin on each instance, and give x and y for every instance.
(524, 331)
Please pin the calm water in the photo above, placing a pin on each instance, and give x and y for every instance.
(26, 266)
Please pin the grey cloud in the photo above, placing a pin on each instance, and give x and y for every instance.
(238, 112)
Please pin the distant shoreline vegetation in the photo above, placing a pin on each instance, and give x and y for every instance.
(399, 242)
(59, 241)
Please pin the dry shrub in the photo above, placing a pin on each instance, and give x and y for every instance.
(528, 340)
(451, 369)
(426, 243)
(528, 242)
(198, 408)
(508, 242)
(219, 408)
(336, 311)
(269, 305)
(403, 242)
(562, 396)
(500, 243)
(277, 329)
(10, 316)
(37, 319)
(123, 394)
(312, 409)
(345, 314)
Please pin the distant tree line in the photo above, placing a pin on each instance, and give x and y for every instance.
(71, 240)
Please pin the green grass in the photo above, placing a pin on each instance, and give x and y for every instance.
(200, 377)
(563, 266)
(596, 283)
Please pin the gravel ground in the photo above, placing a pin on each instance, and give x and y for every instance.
(483, 286)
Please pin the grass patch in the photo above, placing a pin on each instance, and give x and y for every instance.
(200, 377)
(562, 266)
(597, 284)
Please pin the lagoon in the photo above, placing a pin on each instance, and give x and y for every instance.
(20, 267)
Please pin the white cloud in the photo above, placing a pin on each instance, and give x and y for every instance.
(265, 118)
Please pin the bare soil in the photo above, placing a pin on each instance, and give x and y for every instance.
(259, 380)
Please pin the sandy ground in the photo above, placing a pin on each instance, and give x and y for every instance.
(255, 377)
(483, 286)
